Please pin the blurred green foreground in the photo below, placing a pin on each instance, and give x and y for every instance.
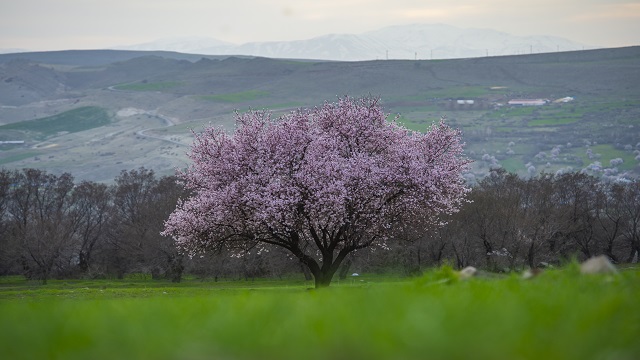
(559, 314)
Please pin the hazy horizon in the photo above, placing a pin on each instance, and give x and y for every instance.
(41, 25)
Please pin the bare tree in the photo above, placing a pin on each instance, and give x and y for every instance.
(129, 226)
(40, 208)
(494, 218)
(540, 225)
(141, 204)
(92, 206)
(576, 197)
(609, 218)
(630, 207)
(159, 252)
(7, 245)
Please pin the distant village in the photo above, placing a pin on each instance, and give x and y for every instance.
(12, 142)
(537, 102)
(459, 103)
(474, 103)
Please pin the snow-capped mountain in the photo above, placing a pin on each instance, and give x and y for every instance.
(421, 41)
(444, 41)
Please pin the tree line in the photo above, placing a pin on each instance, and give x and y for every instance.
(54, 227)
(51, 226)
(511, 223)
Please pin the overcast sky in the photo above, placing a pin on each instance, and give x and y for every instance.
(91, 24)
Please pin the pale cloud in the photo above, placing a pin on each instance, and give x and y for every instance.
(625, 12)
(437, 13)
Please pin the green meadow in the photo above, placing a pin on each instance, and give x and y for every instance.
(606, 154)
(459, 92)
(559, 314)
(149, 86)
(236, 97)
(76, 120)
(17, 157)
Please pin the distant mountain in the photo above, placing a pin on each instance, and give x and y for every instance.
(12, 51)
(97, 57)
(194, 45)
(444, 42)
(422, 41)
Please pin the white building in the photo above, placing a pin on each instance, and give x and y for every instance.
(465, 102)
(528, 102)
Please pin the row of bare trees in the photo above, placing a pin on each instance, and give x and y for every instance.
(512, 223)
(52, 227)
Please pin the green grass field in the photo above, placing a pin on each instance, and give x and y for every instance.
(80, 119)
(607, 153)
(459, 92)
(17, 157)
(512, 165)
(236, 97)
(147, 86)
(557, 315)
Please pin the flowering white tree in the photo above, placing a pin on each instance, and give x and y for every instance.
(320, 183)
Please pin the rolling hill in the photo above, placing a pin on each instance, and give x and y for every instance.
(153, 99)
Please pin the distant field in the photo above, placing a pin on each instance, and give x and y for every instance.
(454, 92)
(558, 315)
(17, 157)
(603, 83)
(413, 125)
(80, 119)
(605, 153)
(551, 121)
(149, 86)
(236, 97)
(512, 165)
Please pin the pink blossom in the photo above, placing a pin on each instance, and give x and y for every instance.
(321, 182)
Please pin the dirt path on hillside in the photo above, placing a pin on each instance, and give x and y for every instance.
(169, 122)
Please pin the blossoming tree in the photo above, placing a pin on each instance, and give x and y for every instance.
(320, 183)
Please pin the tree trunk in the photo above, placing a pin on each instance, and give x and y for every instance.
(83, 262)
(176, 267)
(330, 264)
(323, 275)
(531, 255)
(633, 254)
(305, 270)
(323, 280)
(344, 269)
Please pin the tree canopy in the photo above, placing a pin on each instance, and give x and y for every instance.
(320, 182)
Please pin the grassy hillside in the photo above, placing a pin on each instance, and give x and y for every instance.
(76, 120)
(146, 86)
(603, 118)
